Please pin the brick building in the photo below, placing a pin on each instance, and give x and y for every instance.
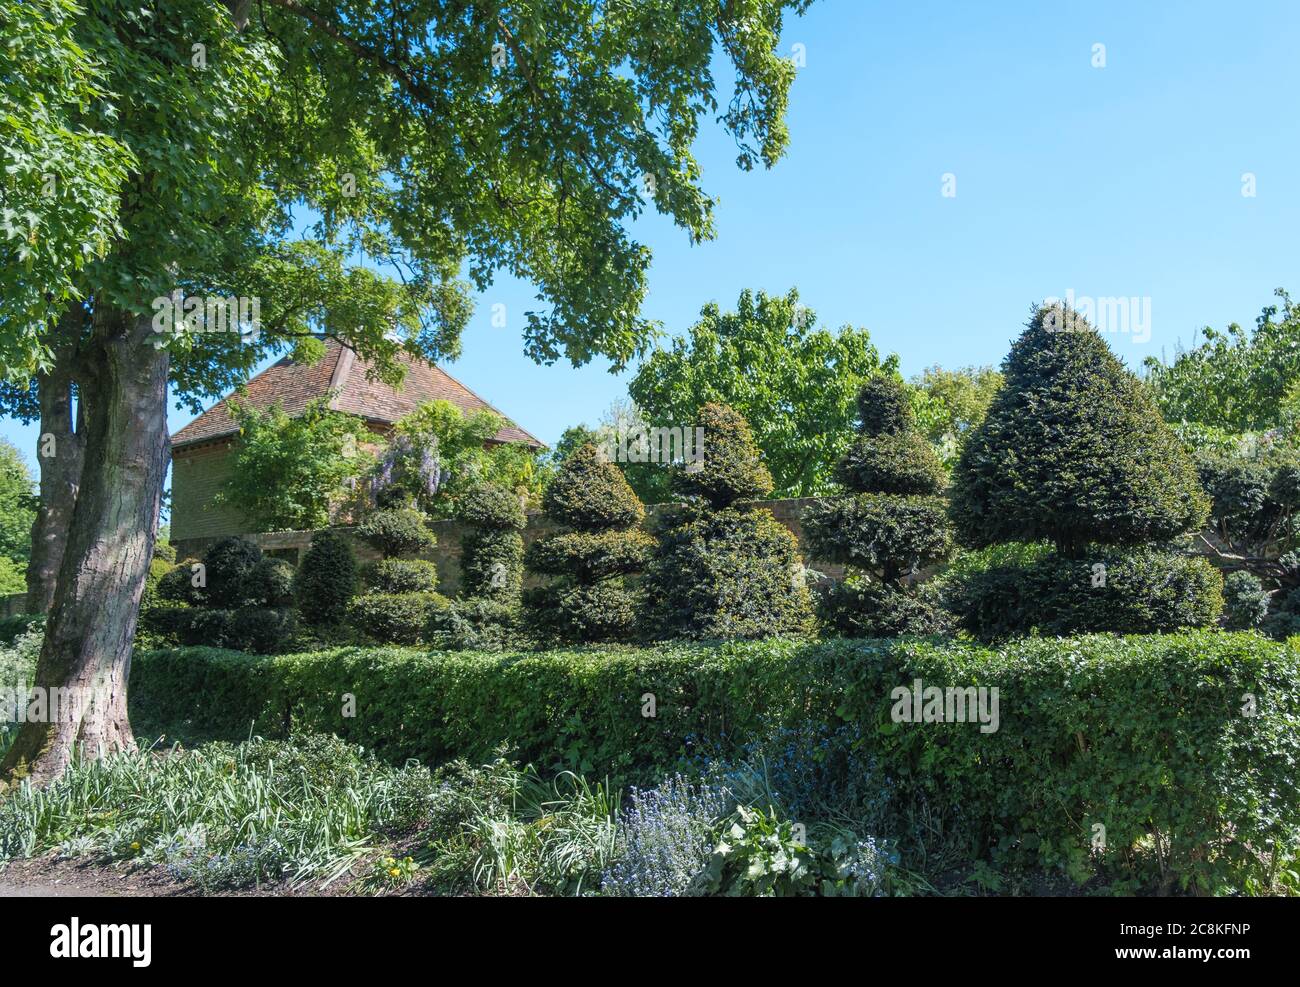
(201, 451)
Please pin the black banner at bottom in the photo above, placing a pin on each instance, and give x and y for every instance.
(142, 937)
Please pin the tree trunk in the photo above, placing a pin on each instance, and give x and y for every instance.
(122, 381)
(59, 455)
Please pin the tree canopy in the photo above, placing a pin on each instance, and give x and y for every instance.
(794, 383)
(1236, 380)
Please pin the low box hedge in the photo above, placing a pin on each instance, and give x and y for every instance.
(1179, 751)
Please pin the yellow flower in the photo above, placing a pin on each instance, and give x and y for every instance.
(135, 846)
(394, 873)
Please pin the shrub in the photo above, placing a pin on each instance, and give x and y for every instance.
(732, 468)
(492, 550)
(177, 584)
(397, 532)
(326, 580)
(589, 599)
(257, 630)
(1072, 451)
(231, 574)
(891, 526)
(402, 576)
(728, 573)
(395, 618)
(1145, 735)
(726, 569)
(1127, 592)
(856, 607)
(590, 494)
(474, 624)
(272, 582)
(1245, 602)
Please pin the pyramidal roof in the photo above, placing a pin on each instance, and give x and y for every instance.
(341, 375)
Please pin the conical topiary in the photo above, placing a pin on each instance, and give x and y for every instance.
(891, 525)
(725, 568)
(1074, 452)
(589, 598)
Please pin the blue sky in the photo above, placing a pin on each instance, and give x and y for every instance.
(1117, 181)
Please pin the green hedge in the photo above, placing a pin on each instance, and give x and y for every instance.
(1146, 736)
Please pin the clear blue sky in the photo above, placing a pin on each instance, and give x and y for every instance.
(1119, 181)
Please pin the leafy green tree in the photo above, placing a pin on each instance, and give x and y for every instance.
(1236, 380)
(948, 404)
(438, 454)
(489, 137)
(793, 382)
(289, 472)
(17, 507)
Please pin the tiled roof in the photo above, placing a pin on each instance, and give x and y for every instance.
(293, 385)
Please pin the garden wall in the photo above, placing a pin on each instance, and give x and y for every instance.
(291, 545)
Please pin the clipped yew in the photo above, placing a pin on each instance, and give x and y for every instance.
(726, 568)
(599, 545)
(400, 599)
(891, 524)
(1074, 453)
(486, 616)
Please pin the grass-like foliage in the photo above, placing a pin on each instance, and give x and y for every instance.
(222, 815)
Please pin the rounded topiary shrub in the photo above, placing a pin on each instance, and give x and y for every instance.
(590, 494)
(397, 532)
(1245, 601)
(728, 573)
(888, 535)
(273, 582)
(401, 576)
(177, 584)
(475, 624)
(858, 607)
(731, 469)
(567, 612)
(723, 568)
(395, 618)
(589, 598)
(492, 549)
(326, 580)
(1132, 591)
(231, 572)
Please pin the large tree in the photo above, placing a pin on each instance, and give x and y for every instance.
(154, 148)
(1237, 380)
(796, 384)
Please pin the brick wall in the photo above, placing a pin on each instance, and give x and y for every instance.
(198, 473)
(290, 545)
